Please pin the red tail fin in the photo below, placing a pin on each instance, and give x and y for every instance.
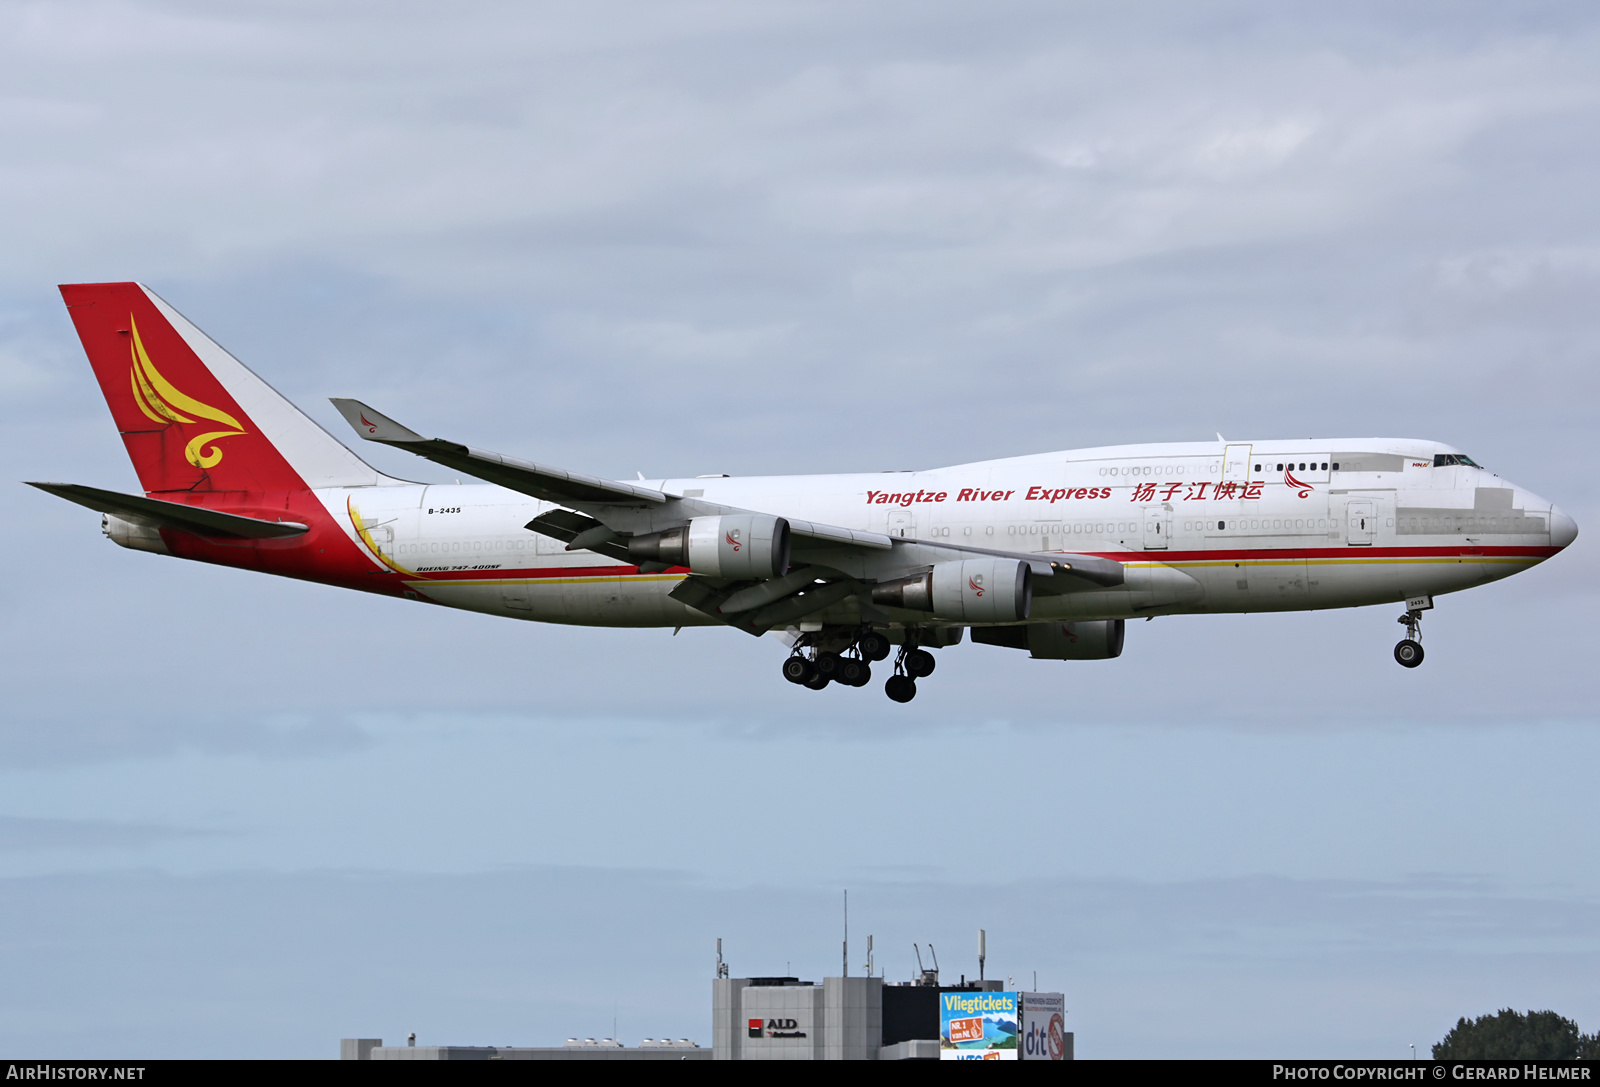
(193, 417)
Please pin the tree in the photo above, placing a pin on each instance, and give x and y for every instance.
(1510, 1035)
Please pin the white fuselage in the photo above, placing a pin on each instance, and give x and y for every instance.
(1200, 527)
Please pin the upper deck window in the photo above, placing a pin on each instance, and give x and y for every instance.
(1444, 460)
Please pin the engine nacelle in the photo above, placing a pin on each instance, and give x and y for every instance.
(969, 590)
(733, 545)
(1092, 641)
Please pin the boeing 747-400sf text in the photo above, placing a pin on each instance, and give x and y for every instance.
(1050, 553)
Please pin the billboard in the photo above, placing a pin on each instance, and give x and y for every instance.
(1042, 1027)
(978, 1026)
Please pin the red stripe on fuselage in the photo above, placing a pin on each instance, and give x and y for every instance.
(1346, 552)
(534, 574)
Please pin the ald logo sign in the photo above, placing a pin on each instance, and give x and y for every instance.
(774, 1028)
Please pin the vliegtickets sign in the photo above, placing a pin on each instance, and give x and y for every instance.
(978, 1026)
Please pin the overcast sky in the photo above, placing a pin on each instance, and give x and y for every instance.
(240, 816)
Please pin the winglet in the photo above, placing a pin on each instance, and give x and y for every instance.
(373, 425)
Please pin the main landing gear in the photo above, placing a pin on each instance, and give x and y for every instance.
(1409, 650)
(911, 665)
(826, 658)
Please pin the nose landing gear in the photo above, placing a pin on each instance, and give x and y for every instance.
(1409, 651)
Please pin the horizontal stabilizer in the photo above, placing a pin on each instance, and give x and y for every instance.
(161, 514)
(537, 480)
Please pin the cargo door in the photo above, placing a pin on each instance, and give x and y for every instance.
(1157, 527)
(1236, 464)
(1361, 521)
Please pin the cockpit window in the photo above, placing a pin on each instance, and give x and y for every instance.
(1444, 460)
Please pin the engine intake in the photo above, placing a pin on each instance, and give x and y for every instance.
(734, 545)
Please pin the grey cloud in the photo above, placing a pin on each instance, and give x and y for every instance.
(18, 834)
(79, 731)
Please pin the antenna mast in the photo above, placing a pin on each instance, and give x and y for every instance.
(846, 951)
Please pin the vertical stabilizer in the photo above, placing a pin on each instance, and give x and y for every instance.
(193, 417)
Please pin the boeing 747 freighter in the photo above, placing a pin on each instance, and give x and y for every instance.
(1050, 554)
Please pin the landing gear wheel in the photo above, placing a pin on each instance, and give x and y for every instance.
(874, 646)
(828, 664)
(854, 673)
(1409, 651)
(900, 688)
(817, 681)
(919, 663)
(798, 670)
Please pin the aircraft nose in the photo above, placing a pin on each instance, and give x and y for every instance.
(1563, 529)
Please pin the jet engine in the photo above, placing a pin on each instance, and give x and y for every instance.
(733, 545)
(970, 590)
(1091, 641)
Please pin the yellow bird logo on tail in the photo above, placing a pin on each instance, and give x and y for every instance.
(159, 399)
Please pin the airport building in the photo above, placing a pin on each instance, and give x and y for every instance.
(840, 1019)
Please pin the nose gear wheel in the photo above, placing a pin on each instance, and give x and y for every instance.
(1408, 653)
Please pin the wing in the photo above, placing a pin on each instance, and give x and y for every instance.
(831, 563)
(572, 489)
(540, 481)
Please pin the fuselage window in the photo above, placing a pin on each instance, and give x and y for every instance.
(1222, 525)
